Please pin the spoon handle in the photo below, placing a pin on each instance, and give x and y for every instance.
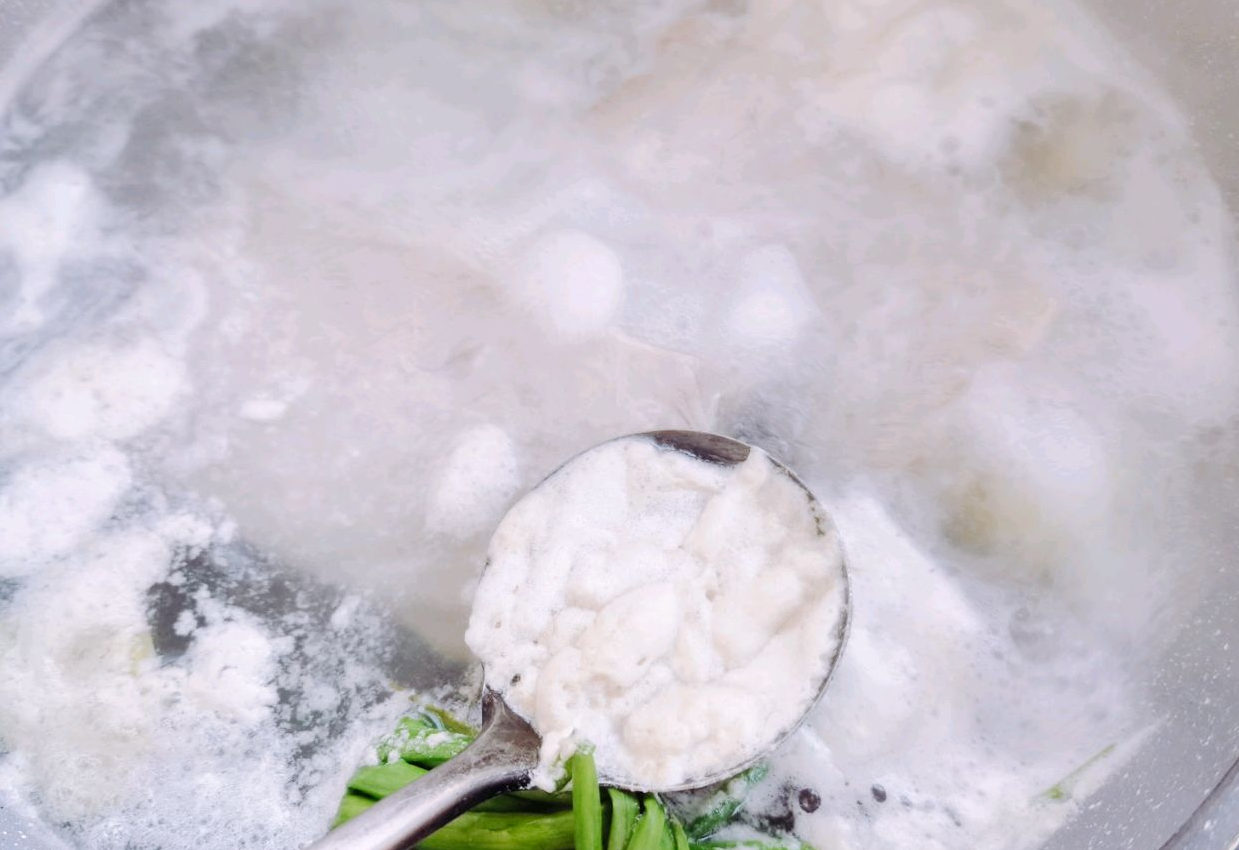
(501, 759)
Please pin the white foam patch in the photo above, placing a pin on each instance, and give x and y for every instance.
(479, 478)
(918, 707)
(141, 747)
(677, 615)
(571, 282)
(102, 390)
(39, 225)
(772, 306)
(47, 509)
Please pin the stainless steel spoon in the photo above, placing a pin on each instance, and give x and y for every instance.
(505, 753)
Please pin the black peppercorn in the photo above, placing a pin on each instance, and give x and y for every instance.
(809, 800)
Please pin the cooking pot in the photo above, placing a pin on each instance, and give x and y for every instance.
(1180, 790)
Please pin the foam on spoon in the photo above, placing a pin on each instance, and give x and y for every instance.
(677, 614)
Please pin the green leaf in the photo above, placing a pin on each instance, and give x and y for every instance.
(422, 742)
(538, 820)
(1061, 790)
(449, 721)
(406, 727)
(624, 809)
(651, 827)
(721, 808)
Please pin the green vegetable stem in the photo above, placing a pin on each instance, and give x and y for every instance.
(586, 800)
(350, 807)
(477, 830)
(505, 831)
(681, 839)
(723, 806)
(651, 828)
(448, 721)
(624, 809)
(379, 780)
(579, 819)
(421, 741)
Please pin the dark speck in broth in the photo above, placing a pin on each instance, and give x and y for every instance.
(809, 800)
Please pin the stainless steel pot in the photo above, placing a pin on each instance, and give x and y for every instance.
(1181, 791)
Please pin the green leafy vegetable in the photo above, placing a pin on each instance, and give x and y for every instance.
(350, 807)
(1061, 790)
(546, 799)
(449, 722)
(651, 827)
(377, 781)
(505, 831)
(423, 742)
(486, 830)
(508, 803)
(721, 808)
(624, 809)
(540, 820)
(667, 841)
(586, 800)
(406, 728)
(681, 839)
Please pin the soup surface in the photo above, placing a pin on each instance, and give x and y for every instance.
(296, 298)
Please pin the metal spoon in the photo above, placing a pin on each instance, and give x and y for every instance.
(505, 753)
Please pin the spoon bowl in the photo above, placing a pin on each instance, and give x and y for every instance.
(726, 451)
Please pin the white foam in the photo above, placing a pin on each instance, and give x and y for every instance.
(47, 509)
(675, 614)
(772, 306)
(480, 475)
(901, 713)
(263, 409)
(571, 282)
(960, 262)
(38, 225)
(103, 390)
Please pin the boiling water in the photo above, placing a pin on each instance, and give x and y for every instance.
(296, 298)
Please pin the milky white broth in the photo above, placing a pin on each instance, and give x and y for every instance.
(296, 298)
